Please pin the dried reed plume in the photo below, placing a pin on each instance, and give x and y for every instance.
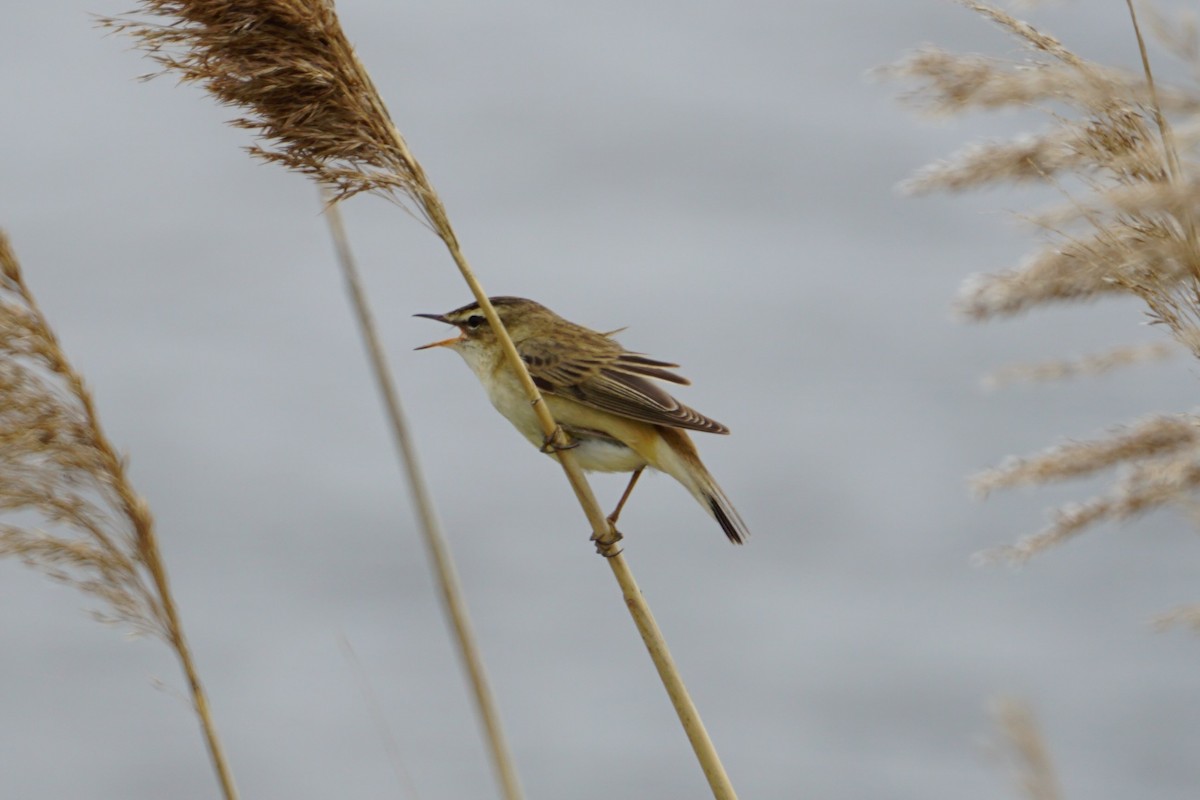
(289, 68)
(1121, 150)
(57, 465)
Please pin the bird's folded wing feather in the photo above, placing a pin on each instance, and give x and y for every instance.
(609, 378)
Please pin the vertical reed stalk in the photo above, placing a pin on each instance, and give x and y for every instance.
(438, 548)
(1031, 763)
(158, 572)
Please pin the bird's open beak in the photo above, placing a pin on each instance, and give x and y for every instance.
(444, 342)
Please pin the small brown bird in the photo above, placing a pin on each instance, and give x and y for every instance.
(599, 392)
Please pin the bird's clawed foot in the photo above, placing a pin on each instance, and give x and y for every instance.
(550, 446)
(607, 546)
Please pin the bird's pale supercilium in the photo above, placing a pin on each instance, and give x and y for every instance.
(601, 394)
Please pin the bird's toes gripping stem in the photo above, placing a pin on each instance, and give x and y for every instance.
(607, 545)
(552, 444)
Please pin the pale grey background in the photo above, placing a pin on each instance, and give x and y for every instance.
(716, 175)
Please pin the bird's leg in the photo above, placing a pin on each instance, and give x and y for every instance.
(612, 518)
(607, 546)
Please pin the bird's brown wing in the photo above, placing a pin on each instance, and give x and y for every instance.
(607, 377)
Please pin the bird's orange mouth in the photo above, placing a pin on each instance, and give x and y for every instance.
(442, 343)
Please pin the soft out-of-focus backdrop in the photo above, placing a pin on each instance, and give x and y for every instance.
(719, 177)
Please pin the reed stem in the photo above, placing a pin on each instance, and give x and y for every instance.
(685, 709)
(436, 545)
(216, 752)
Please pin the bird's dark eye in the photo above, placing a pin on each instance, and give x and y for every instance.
(474, 321)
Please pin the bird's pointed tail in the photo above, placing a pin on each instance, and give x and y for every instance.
(683, 463)
(725, 514)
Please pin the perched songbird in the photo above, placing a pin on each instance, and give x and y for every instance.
(599, 392)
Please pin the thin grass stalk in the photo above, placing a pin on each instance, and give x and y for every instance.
(1170, 151)
(289, 67)
(438, 549)
(1170, 154)
(1031, 763)
(179, 642)
(371, 700)
(685, 709)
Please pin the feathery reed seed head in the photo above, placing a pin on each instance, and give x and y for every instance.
(1128, 226)
(288, 66)
(57, 465)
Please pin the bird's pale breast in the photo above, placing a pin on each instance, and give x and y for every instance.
(601, 451)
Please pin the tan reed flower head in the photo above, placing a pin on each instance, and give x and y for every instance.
(289, 68)
(1121, 150)
(1147, 485)
(1149, 439)
(1131, 220)
(57, 467)
(1160, 461)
